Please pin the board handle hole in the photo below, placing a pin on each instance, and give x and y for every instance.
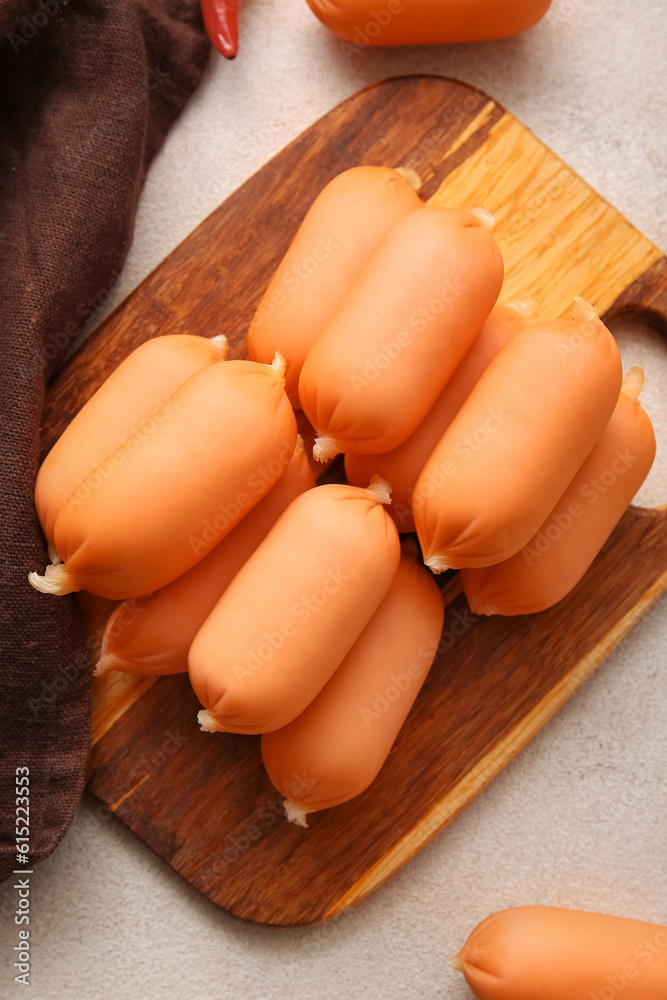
(641, 342)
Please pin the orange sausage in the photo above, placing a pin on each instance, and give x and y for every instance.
(556, 558)
(138, 387)
(401, 330)
(335, 748)
(343, 225)
(547, 953)
(427, 22)
(293, 611)
(517, 442)
(152, 635)
(160, 502)
(401, 467)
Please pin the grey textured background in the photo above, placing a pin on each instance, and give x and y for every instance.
(579, 818)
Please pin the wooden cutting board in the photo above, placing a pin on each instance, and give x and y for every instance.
(202, 802)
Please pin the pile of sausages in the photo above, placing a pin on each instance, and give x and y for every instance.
(183, 489)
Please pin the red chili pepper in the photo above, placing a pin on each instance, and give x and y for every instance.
(221, 20)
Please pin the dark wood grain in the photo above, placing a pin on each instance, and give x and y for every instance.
(645, 299)
(202, 802)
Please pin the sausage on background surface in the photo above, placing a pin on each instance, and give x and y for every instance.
(427, 22)
(548, 953)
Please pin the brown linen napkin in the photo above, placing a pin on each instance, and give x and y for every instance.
(88, 90)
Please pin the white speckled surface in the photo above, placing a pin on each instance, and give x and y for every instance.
(579, 818)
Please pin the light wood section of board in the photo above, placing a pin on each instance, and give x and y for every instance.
(113, 694)
(574, 241)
